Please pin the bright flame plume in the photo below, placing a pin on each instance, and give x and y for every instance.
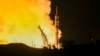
(20, 21)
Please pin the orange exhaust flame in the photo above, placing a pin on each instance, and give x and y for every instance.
(23, 21)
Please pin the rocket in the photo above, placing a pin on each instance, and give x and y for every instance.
(44, 37)
(57, 27)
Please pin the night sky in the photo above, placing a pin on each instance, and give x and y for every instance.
(79, 19)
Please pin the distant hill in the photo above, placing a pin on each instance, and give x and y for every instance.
(18, 49)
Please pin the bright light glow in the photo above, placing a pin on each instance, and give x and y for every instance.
(20, 21)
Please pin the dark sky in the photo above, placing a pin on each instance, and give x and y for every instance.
(78, 19)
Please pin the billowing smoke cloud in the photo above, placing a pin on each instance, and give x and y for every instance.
(20, 19)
